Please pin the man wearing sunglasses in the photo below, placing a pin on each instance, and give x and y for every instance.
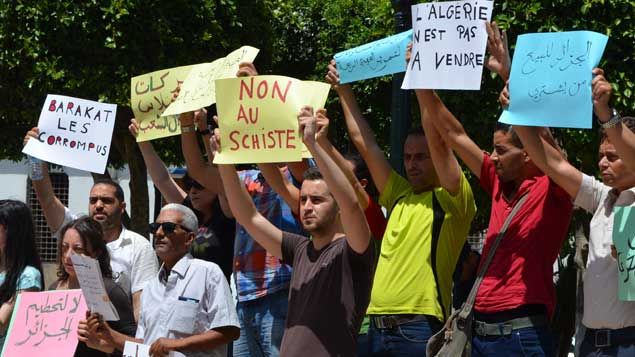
(187, 307)
(132, 259)
(332, 271)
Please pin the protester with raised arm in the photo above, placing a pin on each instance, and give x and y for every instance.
(609, 321)
(187, 307)
(332, 271)
(215, 236)
(132, 259)
(516, 298)
(427, 227)
(262, 281)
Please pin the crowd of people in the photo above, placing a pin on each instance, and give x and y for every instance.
(317, 267)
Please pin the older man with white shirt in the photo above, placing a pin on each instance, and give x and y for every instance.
(187, 308)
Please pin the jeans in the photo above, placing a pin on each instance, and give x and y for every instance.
(409, 339)
(588, 349)
(261, 325)
(524, 342)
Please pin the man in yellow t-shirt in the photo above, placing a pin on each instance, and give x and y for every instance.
(430, 215)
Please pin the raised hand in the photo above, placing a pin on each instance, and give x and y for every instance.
(322, 123)
(499, 60)
(307, 122)
(214, 140)
(408, 52)
(33, 133)
(503, 97)
(200, 117)
(601, 89)
(133, 128)
(333, 76)
(246, 69)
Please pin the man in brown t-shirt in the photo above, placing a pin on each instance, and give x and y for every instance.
(332, 271)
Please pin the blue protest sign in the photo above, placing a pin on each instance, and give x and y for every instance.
(624, 241)
(550, 81)
(374, 59)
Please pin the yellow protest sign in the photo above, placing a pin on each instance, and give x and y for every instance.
(313, 94)
(150, 95)
(198, 90)
(259, 117)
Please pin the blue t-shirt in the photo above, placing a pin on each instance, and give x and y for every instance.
(31, 278)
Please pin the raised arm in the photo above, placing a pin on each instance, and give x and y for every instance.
(157, 170)
(201, 171)
(451, 131)
(276, 179)
(499, 60)
(360, 132)
(243, 209)
(619, 135)
(52, 207)
(322, 122)
(352, 216)
(549, 160)
(443, 159)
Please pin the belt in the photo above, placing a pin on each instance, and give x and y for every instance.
(506, 327)
(607, 337)
(392, 321)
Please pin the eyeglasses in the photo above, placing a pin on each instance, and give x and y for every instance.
(167, 227)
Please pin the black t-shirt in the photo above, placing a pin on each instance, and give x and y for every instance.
(215, 239)
(328, 296)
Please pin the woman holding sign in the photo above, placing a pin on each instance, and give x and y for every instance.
(84, 236)
(21, 268)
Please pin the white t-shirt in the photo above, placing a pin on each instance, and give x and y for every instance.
(192, 299)
(602, 308)
(132, 258)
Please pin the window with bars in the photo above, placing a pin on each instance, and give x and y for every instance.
(44, 239)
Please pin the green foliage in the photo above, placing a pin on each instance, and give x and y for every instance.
(91, 49)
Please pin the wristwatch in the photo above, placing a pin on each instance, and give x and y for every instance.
(615, 119)
(187, 129)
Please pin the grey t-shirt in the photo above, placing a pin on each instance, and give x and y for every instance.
(328, 296)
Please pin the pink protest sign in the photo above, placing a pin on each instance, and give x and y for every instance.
(45, 323)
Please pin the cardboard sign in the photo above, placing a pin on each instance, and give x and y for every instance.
(150, 95)
(259, 117)
(550, 81)
(45, 324)
(374, 59)
(624, 241)
(448, 45)
(74, 132)
(93, 288)
(198, 90)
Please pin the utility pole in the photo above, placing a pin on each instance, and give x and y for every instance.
(401, 99)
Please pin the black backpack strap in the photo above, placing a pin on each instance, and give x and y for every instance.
(437, 223)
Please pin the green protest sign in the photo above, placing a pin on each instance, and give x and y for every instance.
(624, 241)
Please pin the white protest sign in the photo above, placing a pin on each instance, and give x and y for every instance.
(92, 285)
(448, 45)
(133, 349)
(74, 132)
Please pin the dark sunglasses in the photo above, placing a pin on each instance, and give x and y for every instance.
(168, 227)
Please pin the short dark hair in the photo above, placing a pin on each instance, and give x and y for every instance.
(360, 169)
(118, 190)
(312, 174)
(508, 129)
(91, 234)
(628, 122)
